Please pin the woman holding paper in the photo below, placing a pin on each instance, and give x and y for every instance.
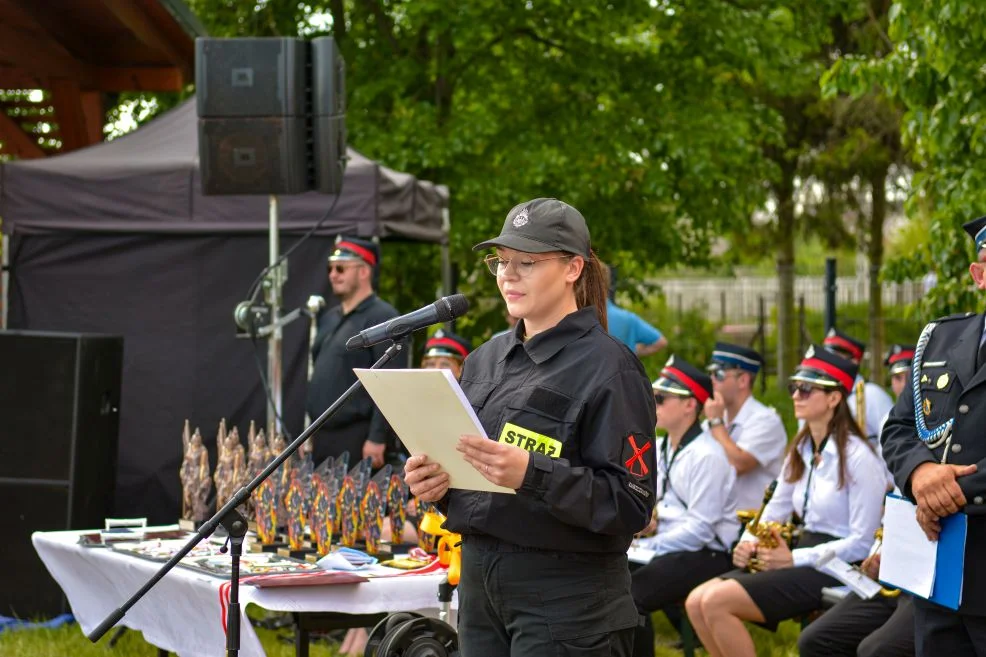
(833, 481)
(569, 413)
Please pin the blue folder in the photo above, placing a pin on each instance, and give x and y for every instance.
(949, 561)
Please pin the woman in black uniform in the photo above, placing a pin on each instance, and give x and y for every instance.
(570, 417)
(834, 481)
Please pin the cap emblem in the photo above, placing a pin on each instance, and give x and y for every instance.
(811, 352)
(521, 219)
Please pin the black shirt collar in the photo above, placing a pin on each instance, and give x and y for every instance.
(545, 345)
(361, 306)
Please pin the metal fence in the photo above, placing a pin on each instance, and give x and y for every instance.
(738, 299)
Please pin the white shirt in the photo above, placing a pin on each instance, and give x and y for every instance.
(698, 508)
(852, 513)
(758, 430)
(878, 405)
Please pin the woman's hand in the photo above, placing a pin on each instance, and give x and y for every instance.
(502, 464)
(427, 481)
(743, 552)
(778, 557)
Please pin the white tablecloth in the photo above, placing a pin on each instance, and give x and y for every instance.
(182, 612)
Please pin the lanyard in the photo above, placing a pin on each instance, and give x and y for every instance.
(816, 455)
(667, 459)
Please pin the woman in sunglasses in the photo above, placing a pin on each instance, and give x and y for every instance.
(833, 481)
(569, 413)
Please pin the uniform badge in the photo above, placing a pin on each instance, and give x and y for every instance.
(942, 381)
(635, 452)
(927, 406)
(924, 378)
(521, 219)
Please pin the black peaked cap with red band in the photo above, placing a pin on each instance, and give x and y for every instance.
(684, 380)
(447, 344)
(899, 358)
(836, 339)
(823, 368)
(353, 249)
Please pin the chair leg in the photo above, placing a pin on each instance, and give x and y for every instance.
(687, 636)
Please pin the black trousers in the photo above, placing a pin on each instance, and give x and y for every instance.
(516, 602)
(879, 627)
(665, 582)
(941, 631)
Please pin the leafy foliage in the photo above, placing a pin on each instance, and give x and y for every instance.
(935, 72)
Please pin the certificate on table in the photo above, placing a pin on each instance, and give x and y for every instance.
(928, 569)
(428, 411)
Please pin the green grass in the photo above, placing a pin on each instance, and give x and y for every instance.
(68, 641)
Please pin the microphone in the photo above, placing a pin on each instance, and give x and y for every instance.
(444, 310)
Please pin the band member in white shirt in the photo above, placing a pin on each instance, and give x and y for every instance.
(752, 434)
(695, 518)
(832, 480)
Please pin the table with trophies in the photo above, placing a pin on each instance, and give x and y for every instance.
(318, 550)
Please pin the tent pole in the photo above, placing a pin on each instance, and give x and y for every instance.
(446, 258)
(274, 286)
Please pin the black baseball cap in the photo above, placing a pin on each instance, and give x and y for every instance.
(543, 225)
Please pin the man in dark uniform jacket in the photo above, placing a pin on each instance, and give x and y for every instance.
(934, 445)
(358, 427)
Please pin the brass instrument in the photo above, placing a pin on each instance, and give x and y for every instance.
(885, 592)
(861, 406)
(763, 531)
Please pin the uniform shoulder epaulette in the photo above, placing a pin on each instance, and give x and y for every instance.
(949, 318)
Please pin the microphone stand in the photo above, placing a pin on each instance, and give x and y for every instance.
(236, 525)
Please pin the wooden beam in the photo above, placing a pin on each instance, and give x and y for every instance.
(38, 54)
(137, 79)
(16, 141)
(142, 27)
(12, 77)
(66, 97)
(94, 113)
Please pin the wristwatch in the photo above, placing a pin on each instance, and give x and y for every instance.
(716, 422)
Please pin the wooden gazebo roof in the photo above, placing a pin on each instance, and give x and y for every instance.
(76, 51)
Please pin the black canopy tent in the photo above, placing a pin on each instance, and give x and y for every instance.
(117, 238)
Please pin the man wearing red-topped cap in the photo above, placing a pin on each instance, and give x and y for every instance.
(358, 428)
(695, 517)
(876, 403)
(446, 351)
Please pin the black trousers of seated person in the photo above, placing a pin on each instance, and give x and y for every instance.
(516, 601)
(666, 581)
(879, 627)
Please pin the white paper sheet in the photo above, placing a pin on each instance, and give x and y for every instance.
(908, 560)
(849, 575)
(428, 411)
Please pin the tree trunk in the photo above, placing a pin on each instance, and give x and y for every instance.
(787, 321)
(878, 212)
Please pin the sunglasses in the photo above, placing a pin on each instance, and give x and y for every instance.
(720, 374)
(802, 389)
(341, 269)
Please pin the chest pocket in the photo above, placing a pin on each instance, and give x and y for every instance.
(937, 384)
(541, 420)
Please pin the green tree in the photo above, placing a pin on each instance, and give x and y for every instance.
(934, 70)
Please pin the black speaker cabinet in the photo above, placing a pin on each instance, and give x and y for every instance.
(254, 156)
(59, 413)
(251, 77)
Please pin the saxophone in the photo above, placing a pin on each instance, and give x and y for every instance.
(764, 530)
(885, 592)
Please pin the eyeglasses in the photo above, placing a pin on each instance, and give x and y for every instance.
(659, 399)
(523, 268)
(801, 389)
